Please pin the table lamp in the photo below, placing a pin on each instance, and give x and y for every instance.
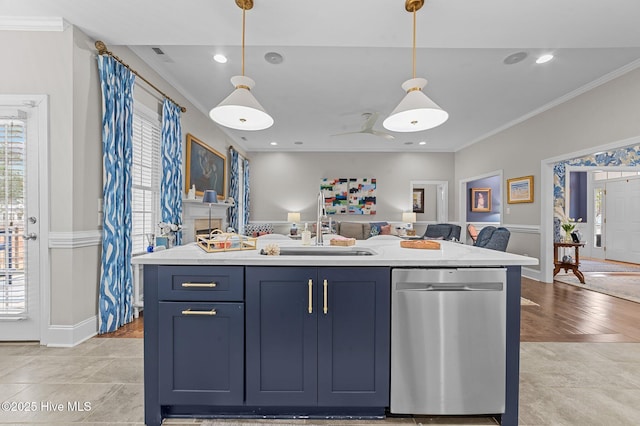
(410, 218)
(293, 217)
(211, 197)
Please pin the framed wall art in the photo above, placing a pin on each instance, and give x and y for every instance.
(206, 168)
(349, 195)
(520, 190)
(480, 199)
(418, 200)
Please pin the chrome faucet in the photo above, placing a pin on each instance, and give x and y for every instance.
(320, 214)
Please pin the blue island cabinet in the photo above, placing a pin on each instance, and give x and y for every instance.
(318, 339)
(193, 339)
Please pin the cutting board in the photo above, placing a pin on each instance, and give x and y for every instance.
(421, 244)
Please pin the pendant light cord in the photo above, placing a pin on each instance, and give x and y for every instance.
(243, 24)
(414, 42)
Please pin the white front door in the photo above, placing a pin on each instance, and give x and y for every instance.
(622, 220)
(19, 221)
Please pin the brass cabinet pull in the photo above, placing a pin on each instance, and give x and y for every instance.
(208, 285)
(190, 312)
(310, 296)
(326, 307)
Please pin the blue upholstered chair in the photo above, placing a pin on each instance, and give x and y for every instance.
(493, 238)
(445, 231)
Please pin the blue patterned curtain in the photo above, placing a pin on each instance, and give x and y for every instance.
(171, 185)
(116, 285)
(246, 192)
(234, 190)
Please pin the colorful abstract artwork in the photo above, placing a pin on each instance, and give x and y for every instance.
(349, 195)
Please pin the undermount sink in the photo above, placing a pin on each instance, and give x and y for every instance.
(324, 251)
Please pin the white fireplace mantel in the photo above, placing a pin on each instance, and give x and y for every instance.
(196, 209)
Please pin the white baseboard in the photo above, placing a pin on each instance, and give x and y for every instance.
(533, 274)
(63, 336)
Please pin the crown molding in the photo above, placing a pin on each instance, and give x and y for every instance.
(562, 99)
(32, 23)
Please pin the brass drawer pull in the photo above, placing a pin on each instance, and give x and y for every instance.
(310, 296)
(207, 285)
(190, 312)
(326, 306)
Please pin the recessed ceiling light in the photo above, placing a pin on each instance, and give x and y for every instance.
(544, 58)
(219, 58)
(422, 143)
(273, 143)
(273, 58)
(514, 58)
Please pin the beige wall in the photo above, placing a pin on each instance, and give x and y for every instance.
(604, 115)
(282, 182)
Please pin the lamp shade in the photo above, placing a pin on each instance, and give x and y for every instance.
(293, 217)
(409, 217)
(416, 112)
(210, 196)
(241, 110)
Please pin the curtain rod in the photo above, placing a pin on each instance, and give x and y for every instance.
(102, 50)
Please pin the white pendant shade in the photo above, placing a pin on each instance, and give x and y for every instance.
(241, 110)
(416, 112)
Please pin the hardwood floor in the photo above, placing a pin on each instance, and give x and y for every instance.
(134, 329)
(566, 314)
(572, 314)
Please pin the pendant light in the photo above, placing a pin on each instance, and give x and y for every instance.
(241, 110)
(416, 112)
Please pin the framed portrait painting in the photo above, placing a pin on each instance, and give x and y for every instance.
(206, 168)
(520, 190)
(418, 200)
(480, 199)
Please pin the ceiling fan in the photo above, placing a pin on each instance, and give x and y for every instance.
(367, 127)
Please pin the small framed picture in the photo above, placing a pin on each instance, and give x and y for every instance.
(418, 200)
(520, 190)
(480, 199)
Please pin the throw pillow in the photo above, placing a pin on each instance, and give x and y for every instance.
(376, 228)
(385, 230)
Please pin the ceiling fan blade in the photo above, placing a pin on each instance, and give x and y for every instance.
(383, 135)
(346, 133)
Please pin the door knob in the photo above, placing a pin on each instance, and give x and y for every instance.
(30, 236)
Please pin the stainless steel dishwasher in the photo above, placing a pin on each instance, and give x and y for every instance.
(448, 341)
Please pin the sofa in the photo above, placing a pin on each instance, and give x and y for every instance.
(362, 230)
(258, 229)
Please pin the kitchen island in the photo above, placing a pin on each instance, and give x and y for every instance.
(242, 334)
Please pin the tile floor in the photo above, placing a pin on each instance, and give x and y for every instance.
(562, 384)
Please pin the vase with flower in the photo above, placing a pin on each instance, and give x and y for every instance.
(567, 224)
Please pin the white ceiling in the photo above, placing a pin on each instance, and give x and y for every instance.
(343, 58)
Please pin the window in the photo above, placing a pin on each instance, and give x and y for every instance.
(145, 173)
(13, 266)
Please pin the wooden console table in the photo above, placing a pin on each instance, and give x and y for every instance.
(573, 266)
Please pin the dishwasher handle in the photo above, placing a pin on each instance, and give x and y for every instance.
(470, 286)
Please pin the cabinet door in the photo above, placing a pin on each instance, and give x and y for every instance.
(281, 336)
(354, 337)
(201, 353)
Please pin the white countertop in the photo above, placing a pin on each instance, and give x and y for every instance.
(389, 253)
